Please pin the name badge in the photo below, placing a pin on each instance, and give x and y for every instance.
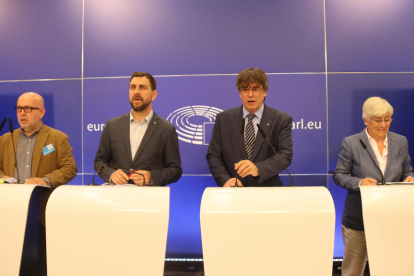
(48, 149)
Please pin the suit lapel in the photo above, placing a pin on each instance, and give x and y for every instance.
(391, 153)
(153, 124)
(37, 151)
(238, 136)
(364, 138)
(376, 170)
(126, 124)
(265, 123)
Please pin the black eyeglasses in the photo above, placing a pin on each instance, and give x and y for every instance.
(27, 109)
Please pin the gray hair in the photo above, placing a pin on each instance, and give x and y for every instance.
(376, 106)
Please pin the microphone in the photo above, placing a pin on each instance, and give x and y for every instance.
(130, 181)
(93, 178)
(365, 148)
(2, 123)
(241, 145)
(264, 136)
(14, 149)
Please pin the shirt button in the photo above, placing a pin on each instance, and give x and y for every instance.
(29, 140)
(28, 152)
(131, 170)
(27, 166)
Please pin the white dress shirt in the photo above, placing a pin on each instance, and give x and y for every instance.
(382, 160)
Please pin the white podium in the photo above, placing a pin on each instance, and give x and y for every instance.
(267, 231)
(111, 230)
(388, 213)
(19, 218)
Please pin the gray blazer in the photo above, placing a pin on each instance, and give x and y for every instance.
(158, 152)
(354, 164)
(227, 147)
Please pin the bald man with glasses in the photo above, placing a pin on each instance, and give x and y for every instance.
(44, 157)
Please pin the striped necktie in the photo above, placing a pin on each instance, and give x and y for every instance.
(250, 136)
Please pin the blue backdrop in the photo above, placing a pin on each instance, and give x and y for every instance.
(323, 59)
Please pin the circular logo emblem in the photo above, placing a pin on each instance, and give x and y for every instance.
(191, 122)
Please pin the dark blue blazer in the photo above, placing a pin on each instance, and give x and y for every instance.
(227, 147)
(354, 164)
(158, 152)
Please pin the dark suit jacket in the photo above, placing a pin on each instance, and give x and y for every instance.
(354, 164)
(227, 147)
(59, 166)
(158, 152)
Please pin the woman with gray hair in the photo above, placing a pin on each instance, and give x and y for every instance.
(355, 168)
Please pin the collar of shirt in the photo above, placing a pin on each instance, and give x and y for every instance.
(370, 139)
(36, 132)
(146, 119)
(381, 159)
(255, 120)
(258, 113)
(137, 132)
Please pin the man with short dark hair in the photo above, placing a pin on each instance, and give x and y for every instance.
(141, 144)
(251, 162)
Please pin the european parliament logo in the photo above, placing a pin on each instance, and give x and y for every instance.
(194, 124)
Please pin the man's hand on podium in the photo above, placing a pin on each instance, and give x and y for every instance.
(119, 177)
(138, 178)
(37, 181)
(232, 182)
(245, 168)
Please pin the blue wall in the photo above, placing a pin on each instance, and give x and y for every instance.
(323, 60)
